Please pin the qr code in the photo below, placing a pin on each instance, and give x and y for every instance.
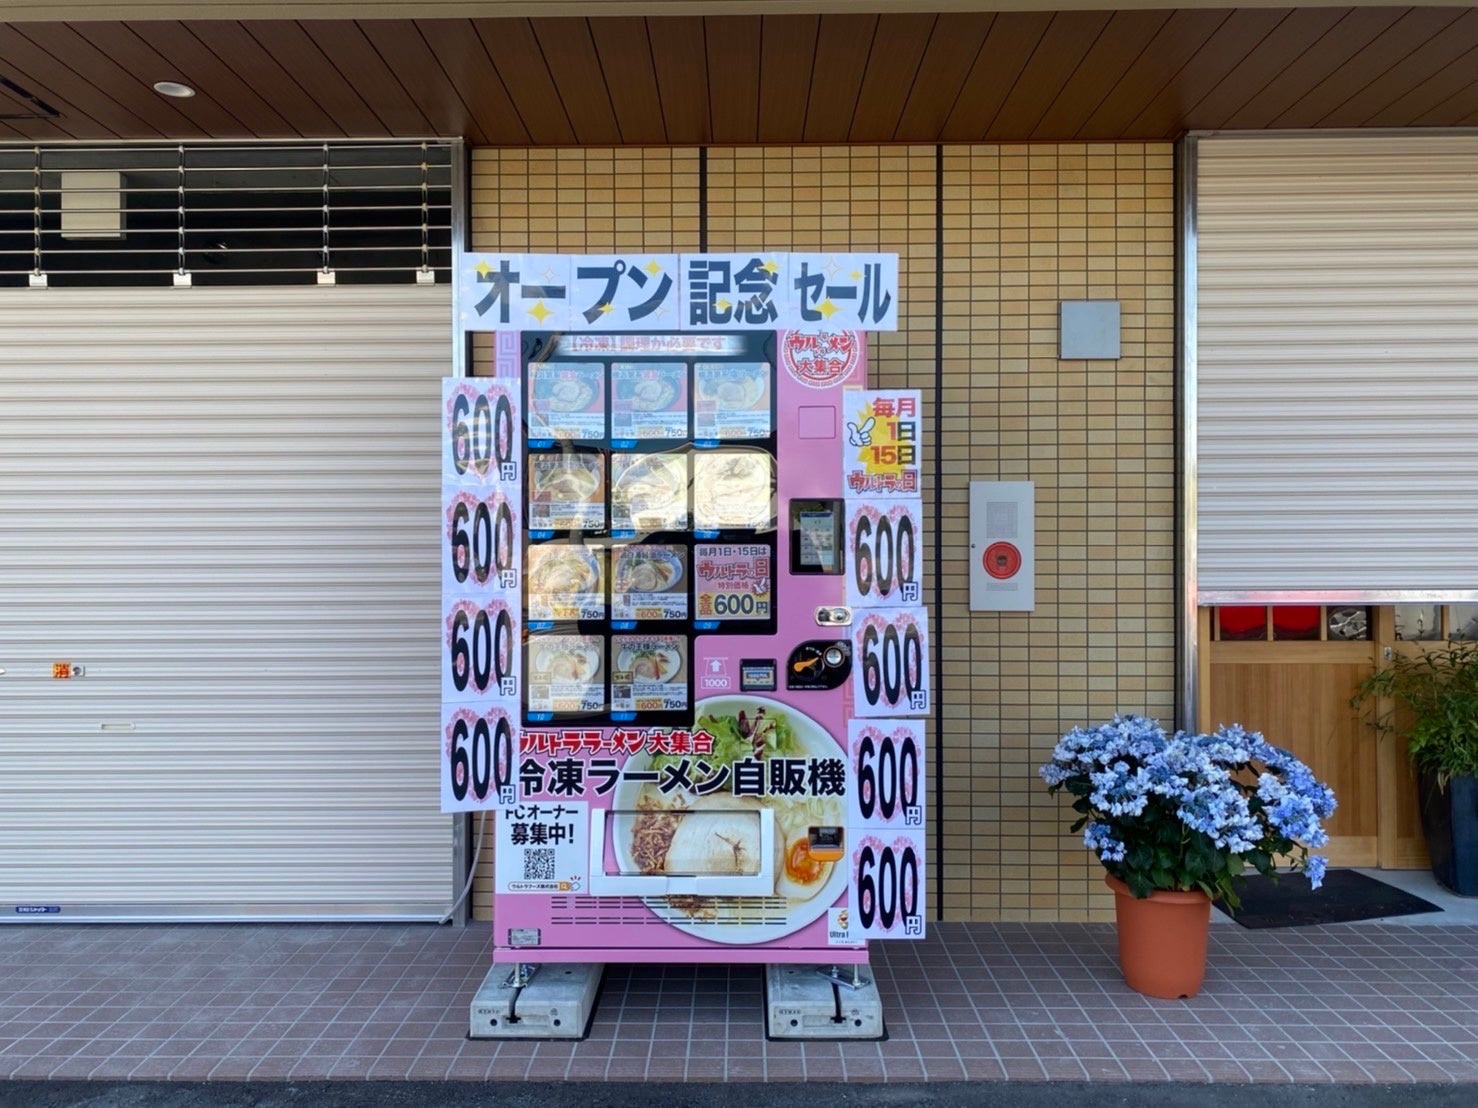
(538, 864)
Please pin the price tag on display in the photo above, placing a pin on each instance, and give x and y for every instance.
(478, 761)
(890, 662)
(887, 763)
(734, 581)
(883, 552)
(480, 440)
(480, 651)
(481, 548)
(887, 885)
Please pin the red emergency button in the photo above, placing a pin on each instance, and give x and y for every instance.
(1001, 560)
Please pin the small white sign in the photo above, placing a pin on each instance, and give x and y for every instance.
(478, 761)
(541, 847)
(890, 662)
(883, 559)
(886, 759)
(887, 885)
(1002, 546)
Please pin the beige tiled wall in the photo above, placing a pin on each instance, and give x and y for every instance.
(1023, 227)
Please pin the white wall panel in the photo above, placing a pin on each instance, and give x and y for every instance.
(222, 504)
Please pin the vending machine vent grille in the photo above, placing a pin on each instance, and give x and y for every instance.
(738, 911)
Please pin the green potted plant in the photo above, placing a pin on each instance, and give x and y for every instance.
(1432, 697)
(1175, 820)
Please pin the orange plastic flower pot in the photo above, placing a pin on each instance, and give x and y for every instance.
(1162, 940)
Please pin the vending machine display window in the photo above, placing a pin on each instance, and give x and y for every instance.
(652, 518)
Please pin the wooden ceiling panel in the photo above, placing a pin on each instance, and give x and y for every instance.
(410, 60)
(55, 82)
(198, 66)
(843, 45)
(733, 48)
(787, 57)
(952, 50)
(351, 54)
(254, 65)
(1348, 37)
(1153, 71)
(574, 67)
(892, 67)
(680, 65)
(515, 53)
(1218, 56)
(1065, 44)
(1453, 107)
(134, 56)
(626, 59)
(1410, 31)
(1139, 73)
(458, 49)
(1007, 48)
(1117, 48)
(1297, 36)
(64, 43)
(297, 53)
(1434, 55)
(1433, 93)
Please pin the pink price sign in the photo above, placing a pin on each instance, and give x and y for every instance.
(734, 581)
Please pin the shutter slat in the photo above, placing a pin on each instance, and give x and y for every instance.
(222, 504)
(1337, 368)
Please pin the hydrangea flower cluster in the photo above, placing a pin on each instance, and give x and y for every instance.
(1190, 811)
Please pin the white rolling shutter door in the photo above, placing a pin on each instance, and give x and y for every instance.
(1337, 368)
(222, 505)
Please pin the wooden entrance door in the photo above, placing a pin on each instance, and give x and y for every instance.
(1297, 692)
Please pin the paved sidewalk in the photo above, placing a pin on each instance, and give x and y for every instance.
(1351, 1003)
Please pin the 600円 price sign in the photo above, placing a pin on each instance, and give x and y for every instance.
(890, 662)
(887, 885)
(883, 553)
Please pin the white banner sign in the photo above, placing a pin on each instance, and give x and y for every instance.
(753, 291)
(481, 567)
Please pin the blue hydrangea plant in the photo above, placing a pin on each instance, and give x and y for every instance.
(1188, 811)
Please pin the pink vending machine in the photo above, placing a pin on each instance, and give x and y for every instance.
(686, 656)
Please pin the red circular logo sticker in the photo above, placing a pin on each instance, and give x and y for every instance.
(820, 359)
(1001, 560)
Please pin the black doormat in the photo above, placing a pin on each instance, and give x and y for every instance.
(1345, 896)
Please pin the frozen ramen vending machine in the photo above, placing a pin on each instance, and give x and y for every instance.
(685, 655)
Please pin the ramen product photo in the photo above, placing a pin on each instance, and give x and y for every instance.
(733, 489)
(649, 400)
(566, 673)
(649, 581)
(565, 582)
(567, 400)
(649, 673)
(649, 492)
(731, 400)
(567, 491)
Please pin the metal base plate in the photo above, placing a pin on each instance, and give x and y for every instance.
(801, 1003)
(557, 1003)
